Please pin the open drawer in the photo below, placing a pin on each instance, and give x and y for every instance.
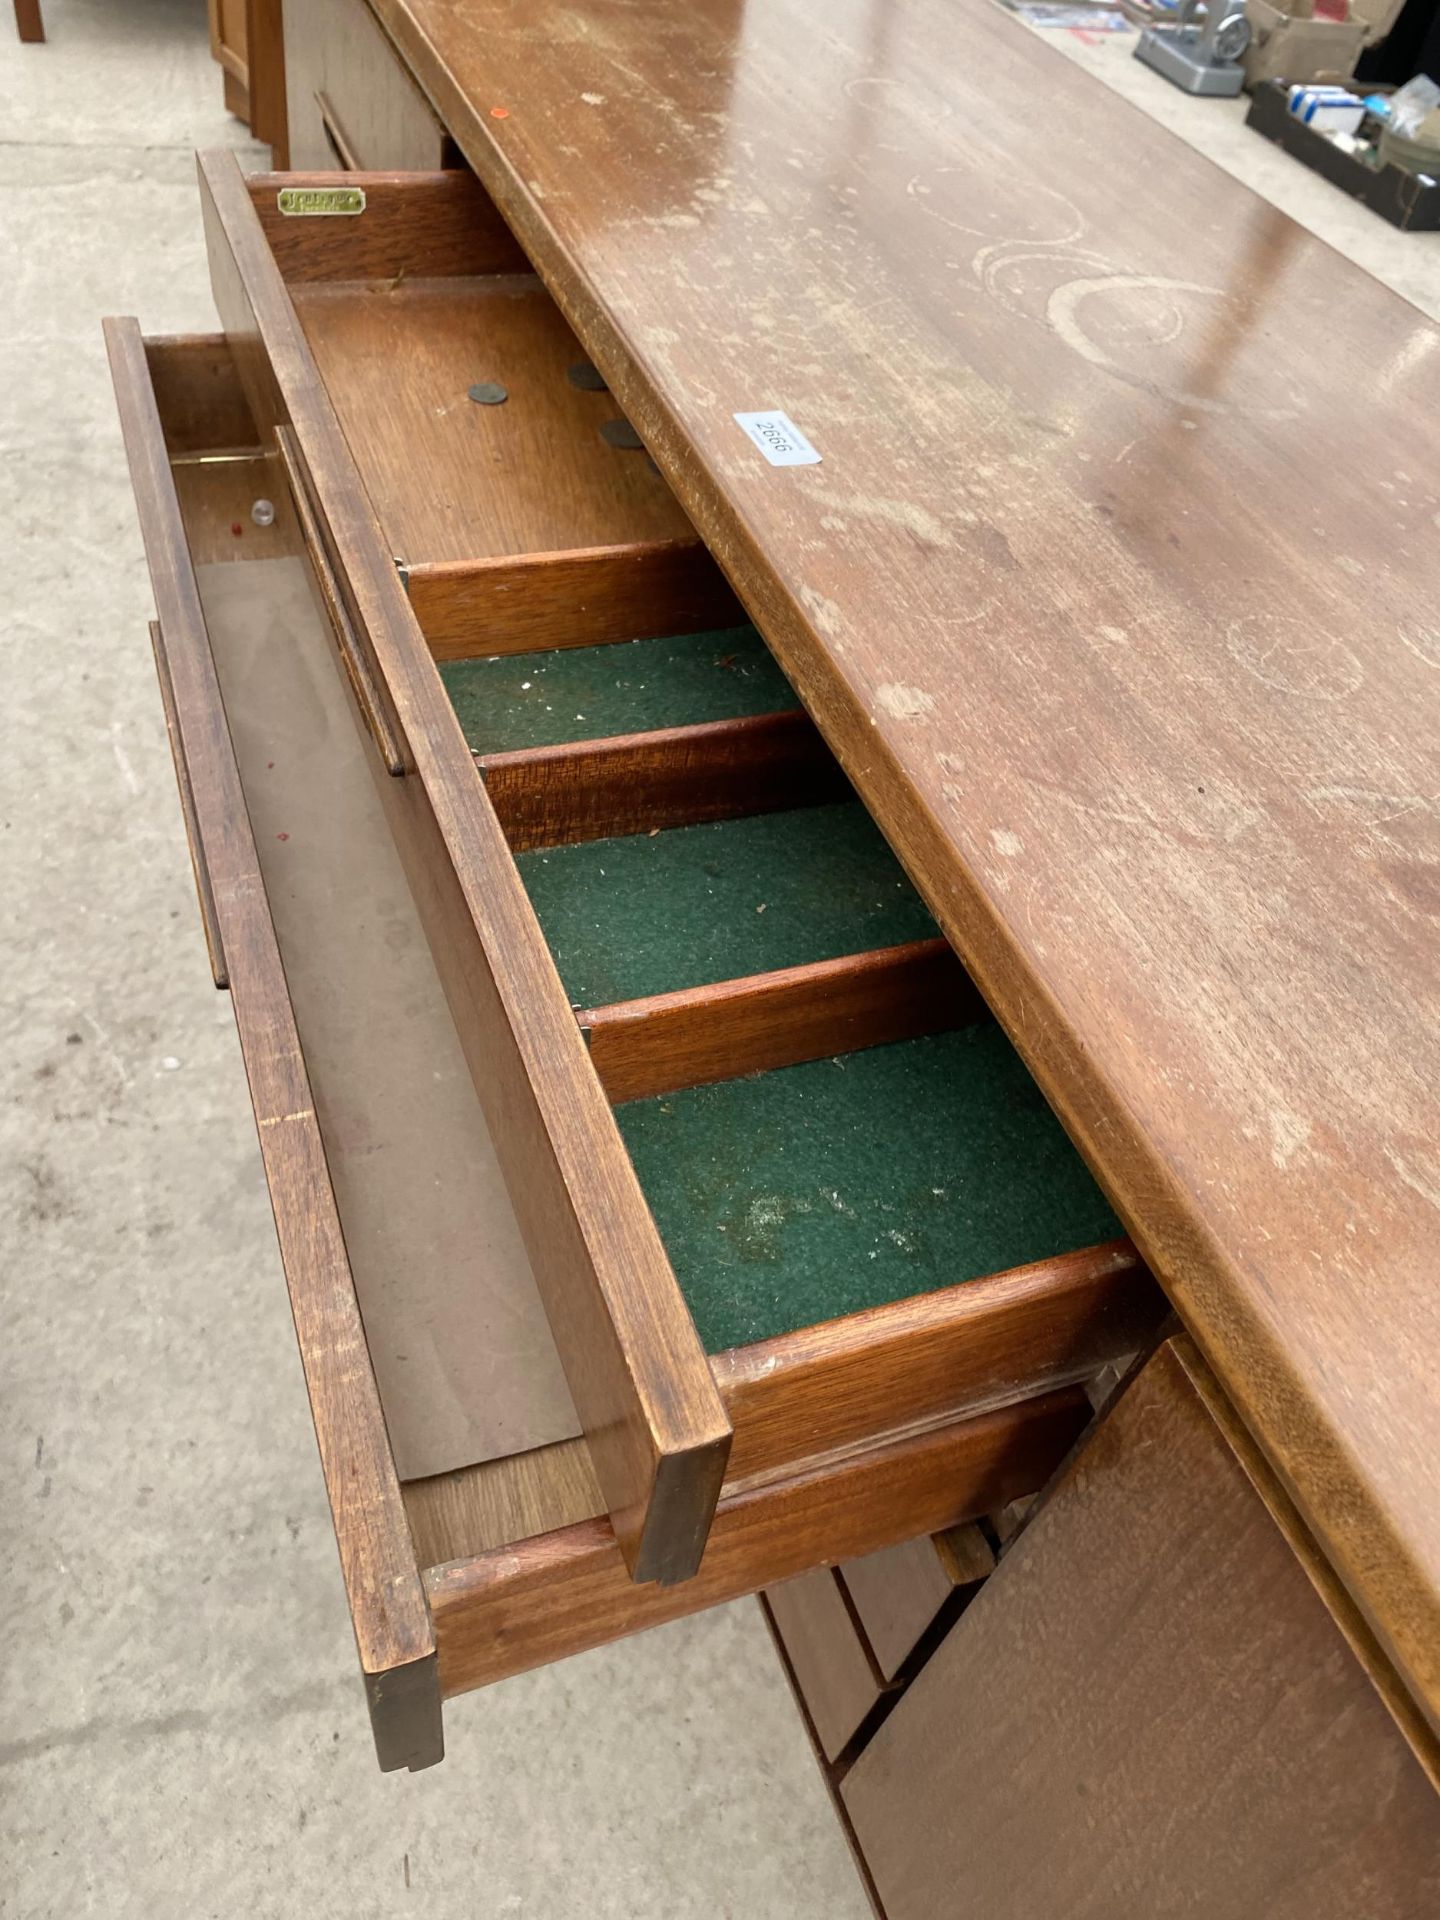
(464, 1472)
(466, 493)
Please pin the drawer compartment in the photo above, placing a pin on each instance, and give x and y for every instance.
(474, 1536)
(511, 581)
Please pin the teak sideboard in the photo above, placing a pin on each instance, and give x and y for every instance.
(861, 1029)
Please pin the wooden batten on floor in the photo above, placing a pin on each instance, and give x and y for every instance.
(524, 603)
(768, 1020)
(560, 1593)
(670, 777)
(413, 225)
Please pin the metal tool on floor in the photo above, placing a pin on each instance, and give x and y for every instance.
(1202, 51)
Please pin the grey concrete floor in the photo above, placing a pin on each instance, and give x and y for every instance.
(181, 1730)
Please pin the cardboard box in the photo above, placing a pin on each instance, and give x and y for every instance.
(1285, 47)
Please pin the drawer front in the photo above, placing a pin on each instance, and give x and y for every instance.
(454, 520)
(351, 101)
(826, 1651)
(852, 1635)
(899, 1594)
(1158, 1704)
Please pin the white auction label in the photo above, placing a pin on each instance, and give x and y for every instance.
(779, 439)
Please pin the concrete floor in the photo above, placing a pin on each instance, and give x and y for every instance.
(182, 1731)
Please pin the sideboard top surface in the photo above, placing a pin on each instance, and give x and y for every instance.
(1115, 588)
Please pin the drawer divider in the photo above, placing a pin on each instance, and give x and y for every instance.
(204, 892)
(388, 1606)
(642, 1048)
(352, 658)
(585, 597)
(666, 777)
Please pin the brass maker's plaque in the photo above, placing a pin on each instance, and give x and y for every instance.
(321, 199)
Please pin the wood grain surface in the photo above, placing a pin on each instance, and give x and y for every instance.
(934, 1356)
(387, 1604)
(265, 78)
(643, 588)
(667, 777)
(1114, 590)
(415, 225)
(898, 1592)
(768, 1020)
(851, 1385)
(335, 52)
(201, 402)
(642, 1387)
(1149, 1709)
(560, 1593)
(458, 1516)
(204, 892)
(453, 480)
(829, 1659)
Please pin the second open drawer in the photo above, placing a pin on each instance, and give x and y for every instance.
(863, 1368)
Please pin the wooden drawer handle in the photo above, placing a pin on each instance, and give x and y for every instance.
(209, 919)
(335, 135)
(357, 669)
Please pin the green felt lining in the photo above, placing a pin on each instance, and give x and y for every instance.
(649, 913)
(790, 1198)
(632, 686)
(787, 1198)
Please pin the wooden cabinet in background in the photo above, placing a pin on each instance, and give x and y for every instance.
(247, 38)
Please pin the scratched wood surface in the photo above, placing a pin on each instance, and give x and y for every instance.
(1114, 591)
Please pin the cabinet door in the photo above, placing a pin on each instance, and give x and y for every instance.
(1150, 1710)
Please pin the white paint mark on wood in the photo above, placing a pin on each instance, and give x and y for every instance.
(1423, 642)
(823, 612)
(1289, 1135)
(903, 703)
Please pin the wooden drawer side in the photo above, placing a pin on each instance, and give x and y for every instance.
(387, 1602)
